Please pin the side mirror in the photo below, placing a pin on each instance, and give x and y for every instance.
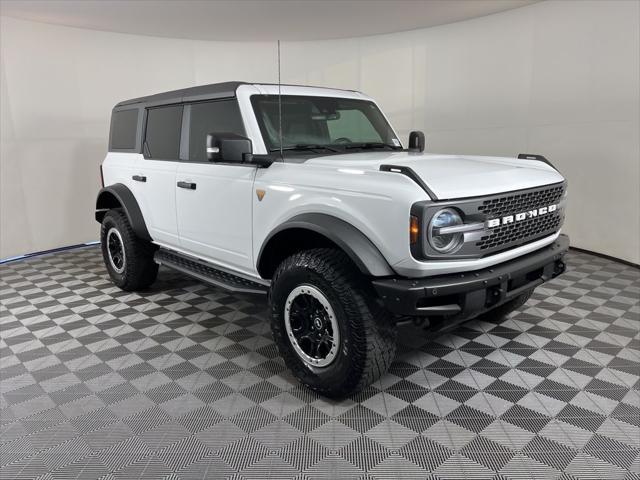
(228, 147)
(416, 141)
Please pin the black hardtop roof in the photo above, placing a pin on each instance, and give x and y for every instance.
(202, 92)
(191, 94)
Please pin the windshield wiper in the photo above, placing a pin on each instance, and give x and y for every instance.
(370, 145)
(305, 147)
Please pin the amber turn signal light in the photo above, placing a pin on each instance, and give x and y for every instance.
(414, 230)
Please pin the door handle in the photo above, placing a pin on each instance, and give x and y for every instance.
(139, 178)
(187, 185)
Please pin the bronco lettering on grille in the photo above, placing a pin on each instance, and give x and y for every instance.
(518, 217)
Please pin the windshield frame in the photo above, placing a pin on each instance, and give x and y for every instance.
(329, 148)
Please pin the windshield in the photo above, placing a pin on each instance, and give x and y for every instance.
(322, 123)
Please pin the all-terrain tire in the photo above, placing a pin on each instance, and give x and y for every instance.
(506, 308)
(139, 270)
(367, 331)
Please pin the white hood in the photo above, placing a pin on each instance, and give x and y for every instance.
(454, 176)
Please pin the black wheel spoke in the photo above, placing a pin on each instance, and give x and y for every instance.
(305, 337)
(314, 348)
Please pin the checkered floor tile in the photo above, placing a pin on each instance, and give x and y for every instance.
(184, 382)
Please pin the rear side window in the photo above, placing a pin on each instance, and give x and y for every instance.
(162, 137)
(222, 116)
(124, 127)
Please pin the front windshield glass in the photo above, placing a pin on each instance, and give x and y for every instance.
(322, 123)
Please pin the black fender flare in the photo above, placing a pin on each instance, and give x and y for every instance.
(352, 241)
(118, 195)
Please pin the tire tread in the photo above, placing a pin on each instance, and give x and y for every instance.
(373, 328)
(141, 270)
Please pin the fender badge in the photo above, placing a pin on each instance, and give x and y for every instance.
(260, 193)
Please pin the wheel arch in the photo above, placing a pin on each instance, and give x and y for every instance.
(119, 196)
(313, 230)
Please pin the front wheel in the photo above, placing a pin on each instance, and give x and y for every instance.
(328, 324)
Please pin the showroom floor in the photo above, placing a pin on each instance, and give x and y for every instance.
(184, 381)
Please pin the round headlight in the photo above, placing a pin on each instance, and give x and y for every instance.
(445, 242)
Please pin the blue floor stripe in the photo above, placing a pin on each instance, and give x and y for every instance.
(46, 252)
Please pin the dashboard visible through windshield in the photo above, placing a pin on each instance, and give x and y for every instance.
(313, 124)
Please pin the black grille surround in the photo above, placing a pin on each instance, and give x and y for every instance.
(500, 238)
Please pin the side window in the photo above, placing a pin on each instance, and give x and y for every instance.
(124, 127)
(162, 138)
(212, 117)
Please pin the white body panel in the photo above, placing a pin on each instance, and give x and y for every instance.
(376, 203)
(156, 197)
(292, 189)
(456, 176)
(214, 220)
(224, 222)
(409, 267)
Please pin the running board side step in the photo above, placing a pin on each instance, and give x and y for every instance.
(209, 273)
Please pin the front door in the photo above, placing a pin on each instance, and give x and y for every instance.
(214, 201)
(214, 212)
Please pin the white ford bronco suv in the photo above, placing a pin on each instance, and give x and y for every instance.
(307, 195)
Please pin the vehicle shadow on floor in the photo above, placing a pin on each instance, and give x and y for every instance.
(245, 319)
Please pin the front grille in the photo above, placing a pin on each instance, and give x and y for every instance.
(521, 202)
(490, 241)
(525, 231)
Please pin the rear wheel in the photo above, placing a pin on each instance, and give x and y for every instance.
(129, 260)
(329, 327)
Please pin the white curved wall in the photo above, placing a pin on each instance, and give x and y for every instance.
(557, 78)
(58, 87)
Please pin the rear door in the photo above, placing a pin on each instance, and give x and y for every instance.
(154, 180)
(214, 201)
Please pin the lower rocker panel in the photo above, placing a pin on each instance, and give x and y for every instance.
(209, 273)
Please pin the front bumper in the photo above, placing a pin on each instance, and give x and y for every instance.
(461, 296)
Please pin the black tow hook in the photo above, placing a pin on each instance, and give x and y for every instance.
(421, 322)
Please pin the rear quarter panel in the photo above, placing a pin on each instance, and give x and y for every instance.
(156, 197)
